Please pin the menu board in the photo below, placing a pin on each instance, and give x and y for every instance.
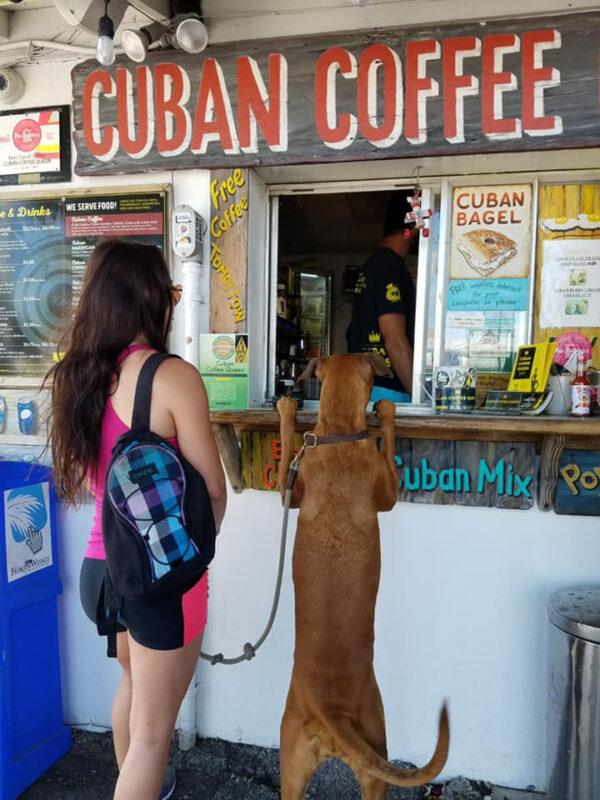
(44, 247)
(135, 217)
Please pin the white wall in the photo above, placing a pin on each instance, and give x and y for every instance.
(461, 611)
(461, 615)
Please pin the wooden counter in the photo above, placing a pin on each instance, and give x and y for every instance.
(550, 434)
(582, 432)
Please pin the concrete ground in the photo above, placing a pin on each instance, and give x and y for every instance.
(218, 770)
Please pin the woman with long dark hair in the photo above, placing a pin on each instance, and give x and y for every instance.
(124, 315)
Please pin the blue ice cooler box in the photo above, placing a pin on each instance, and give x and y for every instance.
(33, 735)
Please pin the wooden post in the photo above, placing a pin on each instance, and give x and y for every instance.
(229, 448)
(552, 446)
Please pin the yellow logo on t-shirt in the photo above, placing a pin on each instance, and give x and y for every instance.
(374, 337)
(393, 293)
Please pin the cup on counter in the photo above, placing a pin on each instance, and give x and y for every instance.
(312, 389)
(560, 386)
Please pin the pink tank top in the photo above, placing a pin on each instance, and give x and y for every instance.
(112, 427)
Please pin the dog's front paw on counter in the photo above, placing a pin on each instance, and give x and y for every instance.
(286, 406)
(385, 409)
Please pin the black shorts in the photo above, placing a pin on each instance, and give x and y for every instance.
(158, 625)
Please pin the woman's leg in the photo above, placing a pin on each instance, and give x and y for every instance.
(160, 680)
(93, 572)
(121, 710)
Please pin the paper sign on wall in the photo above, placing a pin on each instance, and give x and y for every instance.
(570, 283)
(35, 145)
(224, 369)
(27, 530)
(488, 294)
(491, 232)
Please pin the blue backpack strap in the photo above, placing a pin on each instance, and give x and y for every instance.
(143, 391)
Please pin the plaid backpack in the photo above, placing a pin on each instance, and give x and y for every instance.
(157, 520)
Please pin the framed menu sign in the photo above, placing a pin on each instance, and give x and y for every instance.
(35, 145)
(136, 217)
(44, 247)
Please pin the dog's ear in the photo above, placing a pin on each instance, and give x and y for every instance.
(311, 368)
(379, 365)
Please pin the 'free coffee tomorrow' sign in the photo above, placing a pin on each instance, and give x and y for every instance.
(510, 85)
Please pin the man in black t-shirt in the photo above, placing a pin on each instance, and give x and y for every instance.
(383, 316)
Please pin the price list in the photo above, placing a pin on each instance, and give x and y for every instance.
(34, 285)
(44, 249)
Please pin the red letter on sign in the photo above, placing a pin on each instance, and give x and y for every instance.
(537, 78)
(214, 119)
(137, 137)
(494, 84)
(375, 58)
(257, 105)
(173, 122)
(419, 87)
(103, 142)
(457, 85)
(336, 130)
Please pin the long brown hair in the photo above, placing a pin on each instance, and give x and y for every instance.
(126, 294)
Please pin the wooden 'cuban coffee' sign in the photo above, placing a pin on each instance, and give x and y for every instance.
(500, 474)
(578, 486)
(482, 87)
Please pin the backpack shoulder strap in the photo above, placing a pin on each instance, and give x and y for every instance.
(143, 390)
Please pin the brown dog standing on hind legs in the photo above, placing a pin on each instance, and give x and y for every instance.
(334, 707)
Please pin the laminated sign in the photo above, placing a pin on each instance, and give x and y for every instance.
(570, 283)
(491, 232)
(27, 530)
(490, 248)
(224, 370)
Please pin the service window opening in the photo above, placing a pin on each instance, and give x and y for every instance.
(323, 243)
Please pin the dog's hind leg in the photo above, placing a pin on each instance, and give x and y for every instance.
(300, 755)
(372, 723)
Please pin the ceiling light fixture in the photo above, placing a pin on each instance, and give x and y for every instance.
(185, 32)
(136, 42)
(105, 49)
(188, 33)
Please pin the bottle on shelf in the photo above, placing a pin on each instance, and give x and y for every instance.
(580, 390)
(282, 310)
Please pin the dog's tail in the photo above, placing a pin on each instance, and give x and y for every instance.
(353, 745)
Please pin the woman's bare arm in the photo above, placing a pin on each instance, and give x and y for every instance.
(187, 401)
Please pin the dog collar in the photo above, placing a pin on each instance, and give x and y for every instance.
(312, 440)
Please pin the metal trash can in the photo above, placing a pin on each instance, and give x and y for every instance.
(573, 743)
